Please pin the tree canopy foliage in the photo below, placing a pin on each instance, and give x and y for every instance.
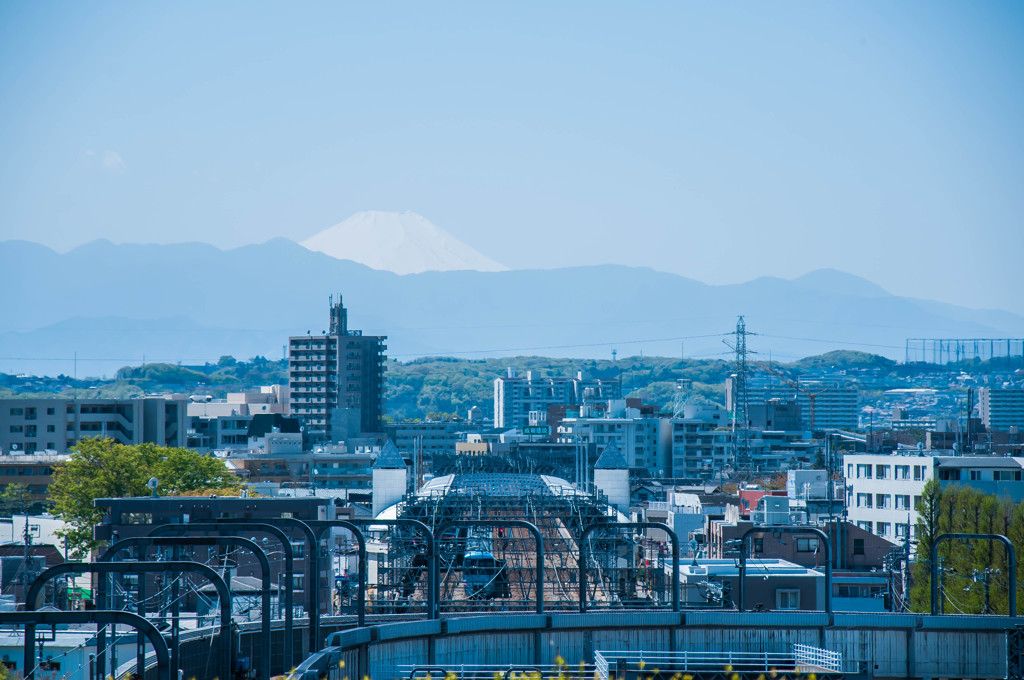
(102, 468)
(963, 509)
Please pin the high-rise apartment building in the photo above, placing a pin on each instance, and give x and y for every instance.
(831, 405)
(337, 380)
(1001, 409)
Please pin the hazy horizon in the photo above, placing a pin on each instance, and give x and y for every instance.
(718, 142)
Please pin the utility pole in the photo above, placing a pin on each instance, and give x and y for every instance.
(985, 577)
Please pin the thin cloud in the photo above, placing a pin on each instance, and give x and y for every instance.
(108, 160)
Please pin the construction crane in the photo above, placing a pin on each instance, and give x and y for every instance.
(811, 396)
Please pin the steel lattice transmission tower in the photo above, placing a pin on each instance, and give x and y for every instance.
(740, 429)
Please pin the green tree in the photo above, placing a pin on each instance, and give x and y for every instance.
(961, 509)
(102, 468)
(928, 513)
(15, 499)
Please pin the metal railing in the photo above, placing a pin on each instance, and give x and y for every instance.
(622, 663)
(492, 671)
(817, 658)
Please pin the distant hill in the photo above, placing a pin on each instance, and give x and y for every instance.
(191, 303)
(842, 358)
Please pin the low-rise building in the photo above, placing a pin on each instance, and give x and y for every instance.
(428, 438)
(30, 425)
(32, 471)
(770, 584)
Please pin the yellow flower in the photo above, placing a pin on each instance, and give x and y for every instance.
(341, 664)
(642, 664)
(559, 660)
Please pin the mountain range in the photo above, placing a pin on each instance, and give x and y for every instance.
(115, 305)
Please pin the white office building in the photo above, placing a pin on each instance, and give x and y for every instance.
(516, 397)
(635, 437)
(883, 491)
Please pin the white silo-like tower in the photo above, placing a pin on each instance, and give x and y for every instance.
(390, 478)
(611, 477)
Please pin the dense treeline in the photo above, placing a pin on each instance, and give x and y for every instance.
(962, 509)
(453, 386)
(444, 386)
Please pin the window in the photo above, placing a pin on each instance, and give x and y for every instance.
(882, 500)
(136, 518)
(858, 543)
(918, 473)
(849, 471)
(901, 530)
(902, 502)
(50, 411)
(866, 526)
(1006, 475)
(975, 475)
(787, 599)
(17, 411)
(807, 545)
(882, 471)
(902, 472)
(863, 472)
(51, 428)
(883, 528)
(16, 428)
(758, 544)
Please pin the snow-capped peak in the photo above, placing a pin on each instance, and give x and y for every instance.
(404, 243)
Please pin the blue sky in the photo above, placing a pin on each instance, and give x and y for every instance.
(720, 141)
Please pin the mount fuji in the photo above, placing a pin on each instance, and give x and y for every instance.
(402, 243)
